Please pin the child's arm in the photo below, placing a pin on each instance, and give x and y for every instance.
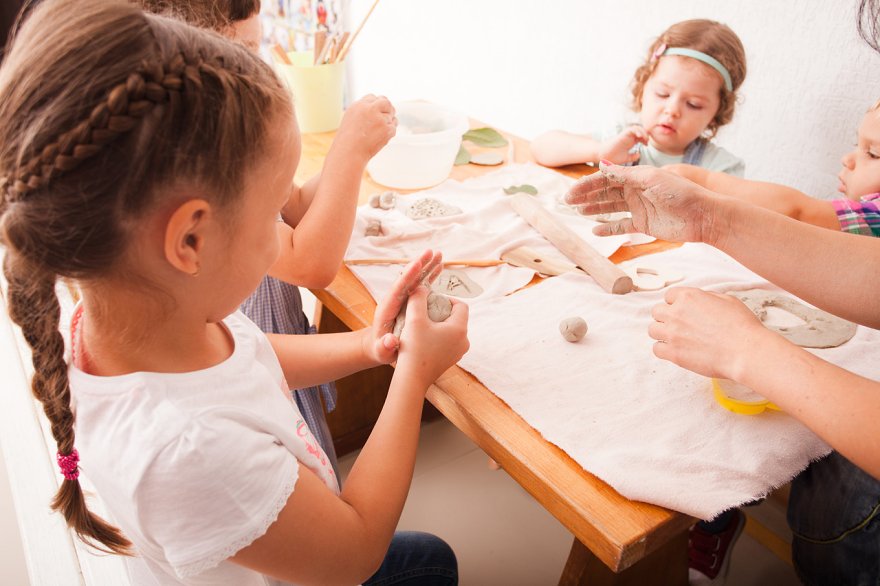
(319, 215)
(323, 539)
(557, 148)
(716, 335)
(771, 196)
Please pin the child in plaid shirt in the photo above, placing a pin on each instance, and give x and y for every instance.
(858, 212)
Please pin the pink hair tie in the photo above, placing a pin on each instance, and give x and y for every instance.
(69, 464)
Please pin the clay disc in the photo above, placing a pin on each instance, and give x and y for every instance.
(821, 330)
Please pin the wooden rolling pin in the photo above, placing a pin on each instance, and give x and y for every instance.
(610, 277)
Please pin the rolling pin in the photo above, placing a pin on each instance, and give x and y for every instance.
(610, 277)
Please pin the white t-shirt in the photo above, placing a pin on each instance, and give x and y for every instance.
(194, 467)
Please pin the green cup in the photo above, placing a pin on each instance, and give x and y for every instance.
(316, 91)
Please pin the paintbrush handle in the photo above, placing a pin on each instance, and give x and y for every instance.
(347, 47)
(280, 54)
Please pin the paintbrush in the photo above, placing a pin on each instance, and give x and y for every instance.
(320, 41)
(347, 46)
(280, 54)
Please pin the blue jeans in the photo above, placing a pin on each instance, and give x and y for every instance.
(834, 513)
(417, 559)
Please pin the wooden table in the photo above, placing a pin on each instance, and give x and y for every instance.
(617, 541)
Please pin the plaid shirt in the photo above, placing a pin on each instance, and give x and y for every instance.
(859, 217)
(276, 308)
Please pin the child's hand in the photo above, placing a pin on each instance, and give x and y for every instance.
(367, 126)
(616, 150)
(428, 348)
(709, 333)
(384, 344)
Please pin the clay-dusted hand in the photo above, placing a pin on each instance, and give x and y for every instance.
(709, 333)
(428, 348)
(383, 344)
(662, 204)
(617, 149)
(366, 127)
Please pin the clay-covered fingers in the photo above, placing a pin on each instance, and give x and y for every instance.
(595, 194)
(429, 347)
(367, 126)
(428, 264)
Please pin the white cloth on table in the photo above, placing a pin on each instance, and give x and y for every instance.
(487, 227)
(650, 429)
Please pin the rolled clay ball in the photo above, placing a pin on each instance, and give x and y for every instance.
(573, 329)
(439, 309)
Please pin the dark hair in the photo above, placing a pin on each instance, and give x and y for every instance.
(217, 15)
(712, 38)
(103, 109)
(868, 23)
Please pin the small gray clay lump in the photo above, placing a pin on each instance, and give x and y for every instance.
(385, 200)
(439, 309)
(374, 228)
(573, 329)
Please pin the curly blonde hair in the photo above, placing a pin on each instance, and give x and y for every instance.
(709, 37)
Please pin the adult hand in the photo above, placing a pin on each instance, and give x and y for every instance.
(617, 149)
(709, 333)
(662, 204)
(367, 126)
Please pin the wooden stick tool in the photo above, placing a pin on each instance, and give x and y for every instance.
(609, 276)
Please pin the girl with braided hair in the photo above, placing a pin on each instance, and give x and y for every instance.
(147, 161)
(319, 215)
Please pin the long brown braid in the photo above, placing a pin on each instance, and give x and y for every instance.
(103, 111)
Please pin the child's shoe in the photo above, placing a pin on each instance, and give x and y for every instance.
(709, 553)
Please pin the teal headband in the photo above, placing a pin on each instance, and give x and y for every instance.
(707, 59)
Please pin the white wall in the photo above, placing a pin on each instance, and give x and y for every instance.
(531, 66)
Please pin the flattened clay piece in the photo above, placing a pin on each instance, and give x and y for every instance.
(488, 159)
(439, 309)
(648, 279)
(431, 208)
(821, 330)
(374, 200)
(456, 283)
(573, 329)
(374, 228)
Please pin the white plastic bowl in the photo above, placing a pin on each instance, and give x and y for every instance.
(424, 149)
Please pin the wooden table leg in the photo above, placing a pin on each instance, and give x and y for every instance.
(666, 566)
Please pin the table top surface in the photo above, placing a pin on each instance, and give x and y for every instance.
(618, 531)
